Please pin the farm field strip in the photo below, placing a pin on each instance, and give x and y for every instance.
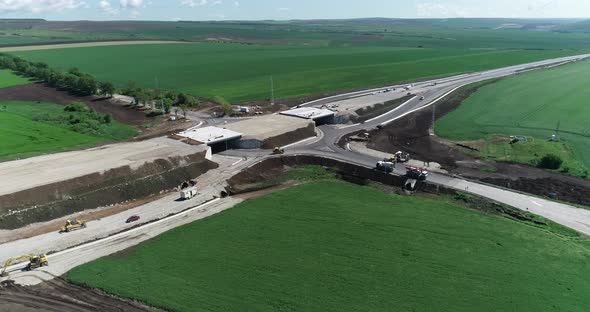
(300, 249)
(242, 72)
(533, 104)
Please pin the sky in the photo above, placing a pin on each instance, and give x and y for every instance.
(287, 9)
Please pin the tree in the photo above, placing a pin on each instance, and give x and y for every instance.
(87, 85)
(191, 101)
(176, 110)
(181, 98)
(550, 161)
(225, 105)
(107, 89)
(75, 71)
(69, 81)
(183, 108)
(166, 105)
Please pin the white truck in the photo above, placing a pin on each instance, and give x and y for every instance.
(188, 193)
(385, 166)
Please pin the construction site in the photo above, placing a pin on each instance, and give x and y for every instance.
(224, 188)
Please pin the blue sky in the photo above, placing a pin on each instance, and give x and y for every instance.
(286, 9)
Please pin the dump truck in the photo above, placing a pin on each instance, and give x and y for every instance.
(415, 173)
(385, 166)
(73, 225)
(34, 262)
(188, 193)
(278, 151)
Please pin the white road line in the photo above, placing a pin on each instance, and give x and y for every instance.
(300, 142)
(237, 162)
(393, 110)
(385, 123)
(348, 126)
(534, 202)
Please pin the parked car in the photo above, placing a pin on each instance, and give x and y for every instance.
(132, 219)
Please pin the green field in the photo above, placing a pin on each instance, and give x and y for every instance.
(334, 246)
(8, 79)
(25, 131)
(530, 104)
(242, 72)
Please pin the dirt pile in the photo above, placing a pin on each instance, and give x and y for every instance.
(59, 296)
(90, 191)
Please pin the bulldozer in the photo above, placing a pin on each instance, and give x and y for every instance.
(278, 151)
(72, 225)
(34, 262)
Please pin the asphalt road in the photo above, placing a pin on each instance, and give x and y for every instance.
(325, 146)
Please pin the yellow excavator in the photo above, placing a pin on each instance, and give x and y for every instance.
(72, 225)
(34, 262)
(278, 151)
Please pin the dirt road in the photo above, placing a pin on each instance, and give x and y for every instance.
(81, 45)
(31, 172)
(59, 296)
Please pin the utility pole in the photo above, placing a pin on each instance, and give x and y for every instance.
(272, 91)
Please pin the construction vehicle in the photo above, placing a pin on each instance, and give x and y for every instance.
(34, 262)
(73, 225)
(415, 173)
(188, 193)
(385, 166)
(278, 151)
(400, 157)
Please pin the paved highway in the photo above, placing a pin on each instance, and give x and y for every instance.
(325, 146)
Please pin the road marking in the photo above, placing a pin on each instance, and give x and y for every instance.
(385, 123)
(237, 162)
(534, 202)
(393, 110)
(304, 140)
(348, 126)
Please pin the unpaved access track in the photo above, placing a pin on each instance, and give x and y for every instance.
(59, 296)
(31, 172)
(82, 45)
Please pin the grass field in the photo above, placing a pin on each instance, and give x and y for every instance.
(22, 135)
(8, 79)
(530, 104)
(334, 246)
(242, 72)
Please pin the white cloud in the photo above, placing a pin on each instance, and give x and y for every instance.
(106, 7)
(37, 6)
(236, 3)
(437, 9)
(283, 9)
(194, 3)
(134, 4)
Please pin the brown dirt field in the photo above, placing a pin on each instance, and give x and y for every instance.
(411, 134)
(60, 296)
(43, 93)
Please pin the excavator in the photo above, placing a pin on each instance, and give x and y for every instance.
(72, 225)
(34, 262)
(278, 151)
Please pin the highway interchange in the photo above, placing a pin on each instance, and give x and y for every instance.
(325, 146)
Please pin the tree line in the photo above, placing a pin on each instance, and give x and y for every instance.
(84, 84)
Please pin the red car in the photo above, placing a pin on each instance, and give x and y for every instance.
(132, 219)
